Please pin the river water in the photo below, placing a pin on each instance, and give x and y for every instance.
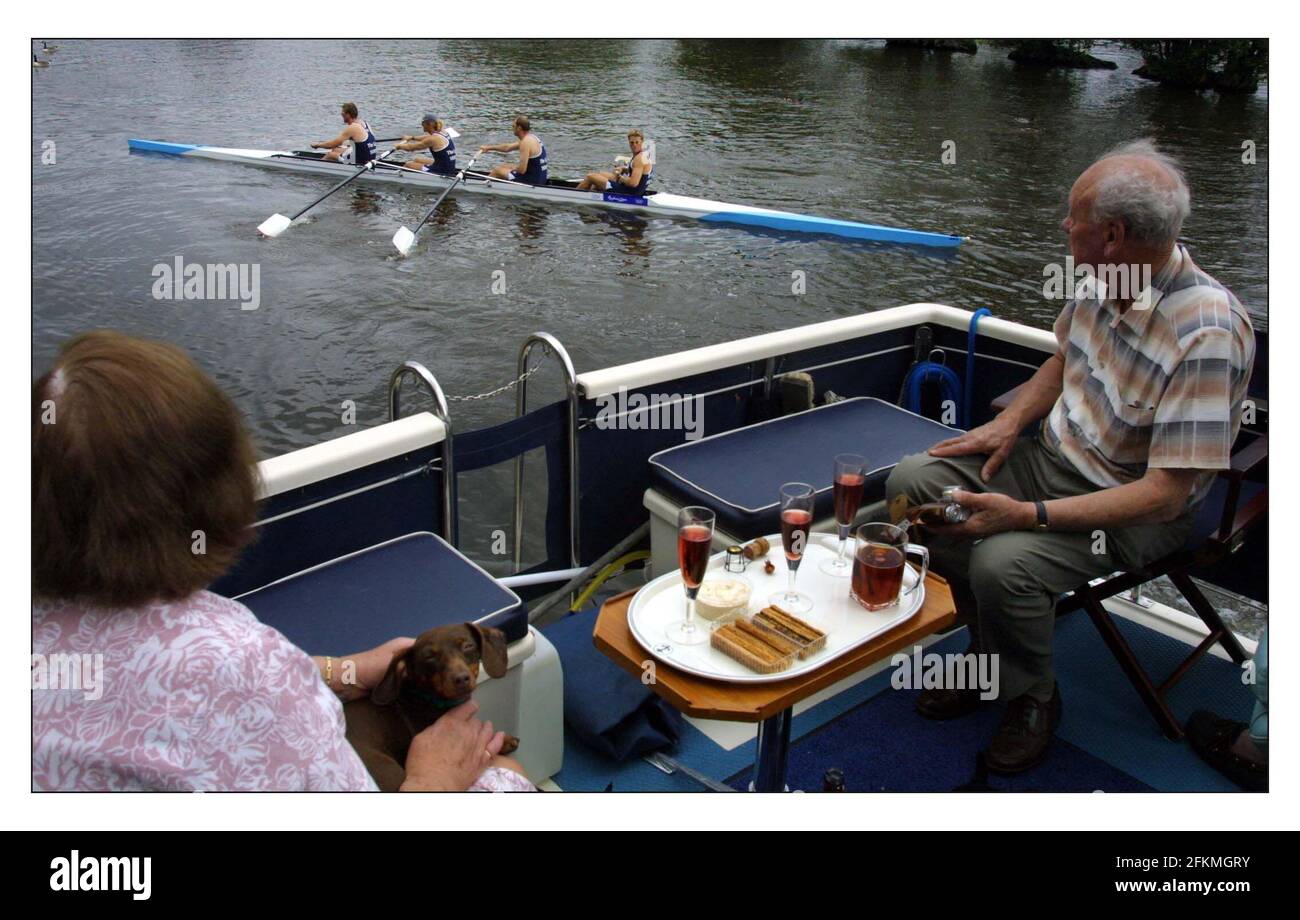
(838, 128)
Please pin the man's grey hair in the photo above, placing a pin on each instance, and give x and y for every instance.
(1153, 212)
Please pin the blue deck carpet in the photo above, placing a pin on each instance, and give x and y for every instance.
(1107, 741)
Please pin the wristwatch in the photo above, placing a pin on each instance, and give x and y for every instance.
(1041, 511)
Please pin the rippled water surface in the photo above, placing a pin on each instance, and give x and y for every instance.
(841, 128)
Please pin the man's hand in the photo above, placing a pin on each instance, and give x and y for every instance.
(996, 438)
(991, 512)
(452, 753)
(370, 667)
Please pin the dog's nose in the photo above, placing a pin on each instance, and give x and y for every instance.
(461, 680)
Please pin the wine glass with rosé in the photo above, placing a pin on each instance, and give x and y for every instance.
(850, 480)
(796, 519)
(694, 539)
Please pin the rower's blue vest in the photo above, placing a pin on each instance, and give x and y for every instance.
(365, 151)
(444, 160)
(536, 173)
(638, 189)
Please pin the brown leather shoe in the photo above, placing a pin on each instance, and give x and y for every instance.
(1025, 733)
(942, 704)
(1212, 738)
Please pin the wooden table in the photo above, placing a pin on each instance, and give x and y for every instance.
(769, 704)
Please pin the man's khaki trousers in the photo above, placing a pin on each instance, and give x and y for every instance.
(1006, 585)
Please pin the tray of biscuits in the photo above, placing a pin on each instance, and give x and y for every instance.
(752, 639)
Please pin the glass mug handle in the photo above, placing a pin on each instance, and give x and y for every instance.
(925, 565)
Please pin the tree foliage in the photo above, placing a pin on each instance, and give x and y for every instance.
(1233, 65)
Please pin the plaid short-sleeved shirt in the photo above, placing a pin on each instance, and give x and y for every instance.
(1156, 387)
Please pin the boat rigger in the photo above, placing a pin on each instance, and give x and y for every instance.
(557, 191)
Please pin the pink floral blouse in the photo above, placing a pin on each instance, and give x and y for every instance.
(193, 695)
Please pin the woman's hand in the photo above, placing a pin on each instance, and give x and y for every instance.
(452, 753)
(996, 438)
(367, 668)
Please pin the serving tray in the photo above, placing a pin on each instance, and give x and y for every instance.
(846, 622)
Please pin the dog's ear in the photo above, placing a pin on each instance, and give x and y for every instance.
(491, 648)
(385, 692)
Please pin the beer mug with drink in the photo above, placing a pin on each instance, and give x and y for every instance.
(880, 555)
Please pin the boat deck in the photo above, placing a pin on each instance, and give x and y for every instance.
(1107, 741)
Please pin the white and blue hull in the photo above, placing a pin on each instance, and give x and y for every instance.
(661, 204)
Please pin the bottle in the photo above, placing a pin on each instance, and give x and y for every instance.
(944, 511)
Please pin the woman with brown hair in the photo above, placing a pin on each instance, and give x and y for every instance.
(144, 490)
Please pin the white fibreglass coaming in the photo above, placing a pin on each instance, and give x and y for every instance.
(650, 371)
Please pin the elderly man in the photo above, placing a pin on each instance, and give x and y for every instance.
(1137, 408)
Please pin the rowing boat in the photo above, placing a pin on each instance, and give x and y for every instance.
(561, 192)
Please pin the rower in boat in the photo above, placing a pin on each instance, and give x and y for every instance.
(438, 142)
(631, 179)
(356, 145)
(531, 168)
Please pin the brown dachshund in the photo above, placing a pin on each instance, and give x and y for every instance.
(435, 674)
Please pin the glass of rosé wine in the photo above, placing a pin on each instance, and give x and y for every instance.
(694, 540)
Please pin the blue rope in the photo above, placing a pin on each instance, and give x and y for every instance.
(928, 372)
(970, 364)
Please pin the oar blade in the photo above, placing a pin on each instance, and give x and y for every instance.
(404, 240)
(274, 225)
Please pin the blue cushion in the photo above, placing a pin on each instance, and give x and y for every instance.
(738, 473)
(398, 588)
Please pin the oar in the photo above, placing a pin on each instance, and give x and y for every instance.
(404, 239)
(276, 224)
(451, 133)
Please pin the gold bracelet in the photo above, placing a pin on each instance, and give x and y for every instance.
(329, 670)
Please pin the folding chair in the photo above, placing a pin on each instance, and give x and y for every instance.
(1235, 507)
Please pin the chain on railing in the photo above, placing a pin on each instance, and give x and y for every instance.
(505, 388)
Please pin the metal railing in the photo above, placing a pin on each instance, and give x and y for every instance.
(551, 346)
(450, 514)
